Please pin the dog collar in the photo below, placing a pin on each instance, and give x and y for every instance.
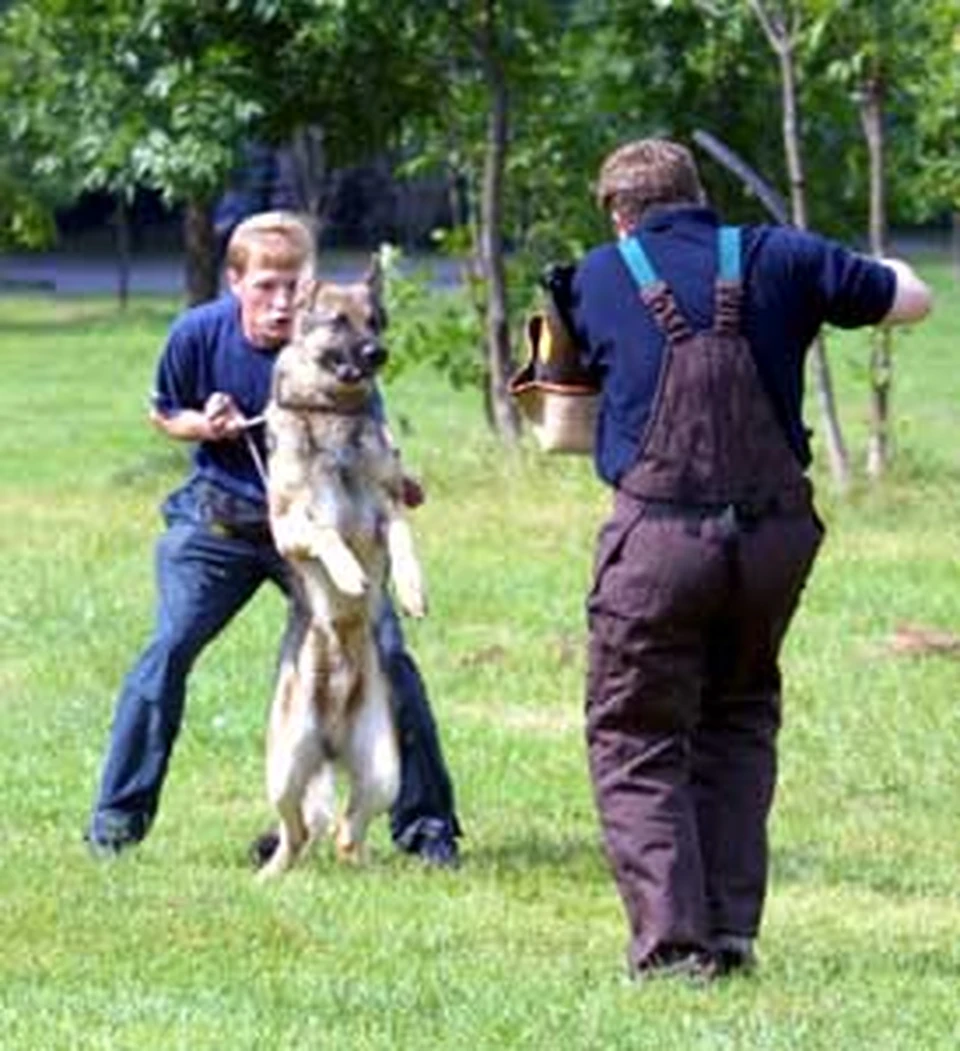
(305, 405)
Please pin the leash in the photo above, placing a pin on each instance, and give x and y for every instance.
(248, 425)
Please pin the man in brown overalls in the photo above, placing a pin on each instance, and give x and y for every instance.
(697, 334)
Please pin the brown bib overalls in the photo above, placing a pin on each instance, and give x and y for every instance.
(698, 572)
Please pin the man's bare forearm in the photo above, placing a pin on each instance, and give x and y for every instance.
(219, 420)
(188, 425)
(912, 299)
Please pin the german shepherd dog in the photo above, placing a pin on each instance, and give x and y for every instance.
(335, 495)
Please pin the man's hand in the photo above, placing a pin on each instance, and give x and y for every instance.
(224, 420)
(219, 420)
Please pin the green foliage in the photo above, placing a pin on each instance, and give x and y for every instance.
(547, 174)
(438, 328)
(668, 67)
(441, 328)
(109, 99)
(938, 184)
(26, 220)
(863, 46)
(26, 204)
(164, 93)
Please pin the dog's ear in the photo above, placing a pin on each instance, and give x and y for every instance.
(374, 276)
(277, 379)
(375, 287)
(307, 294)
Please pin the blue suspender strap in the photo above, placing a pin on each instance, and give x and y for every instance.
(728, 238)
(638, 262)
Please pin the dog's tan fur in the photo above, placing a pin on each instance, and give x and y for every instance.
(334, 488)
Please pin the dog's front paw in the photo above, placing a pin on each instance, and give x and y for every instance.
(411, 592)
(405, 569)
(348, 577)
(345, 572)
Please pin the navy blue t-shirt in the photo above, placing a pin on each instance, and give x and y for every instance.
(206, 351)
(794, 282)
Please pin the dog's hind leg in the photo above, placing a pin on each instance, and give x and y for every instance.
(373, 760)
(288, 780)
(319, 802)
(294, 755)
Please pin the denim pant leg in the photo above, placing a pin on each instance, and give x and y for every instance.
(202, 581)
(425, 804)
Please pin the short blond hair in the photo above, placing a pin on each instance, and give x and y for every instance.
(278, 239)
(646, 172)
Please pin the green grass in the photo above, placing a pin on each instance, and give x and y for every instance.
(176, 947)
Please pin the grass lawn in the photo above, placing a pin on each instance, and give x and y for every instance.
(176, 947)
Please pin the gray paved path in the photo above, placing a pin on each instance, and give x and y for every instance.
(72, 274)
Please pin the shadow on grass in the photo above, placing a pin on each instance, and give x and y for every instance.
(571, 859)
(566, 860)
(888, 876)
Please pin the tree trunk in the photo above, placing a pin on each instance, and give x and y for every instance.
(499, 357)
(317, 186)
(782, 41)
(871, 119)
(309, 168)
(121, 226)
(836, 449)
(791, 138)
(463, 206)
(200, 245)
(881, 359)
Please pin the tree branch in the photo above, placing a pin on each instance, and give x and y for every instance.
(779, 39)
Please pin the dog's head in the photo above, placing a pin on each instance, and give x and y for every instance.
(337, 333)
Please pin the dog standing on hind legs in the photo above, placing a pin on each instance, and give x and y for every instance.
(335, 492)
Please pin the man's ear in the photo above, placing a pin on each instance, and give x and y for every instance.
(234, 278)
(621, 223)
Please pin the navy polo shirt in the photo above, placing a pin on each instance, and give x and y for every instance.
(794, 282)
(206, 351)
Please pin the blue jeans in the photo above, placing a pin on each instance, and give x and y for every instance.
(203, 580)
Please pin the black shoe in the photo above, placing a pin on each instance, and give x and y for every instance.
(438, 852)
(103, 848)
(262, 849)
(734, 961)
(107, 849)
(734, 954)
(109, 841)
(691, 965)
